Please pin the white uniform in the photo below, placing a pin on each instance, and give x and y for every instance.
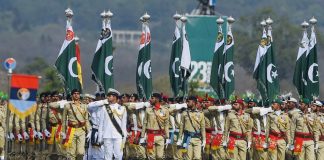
(112, 139)
(97, 119)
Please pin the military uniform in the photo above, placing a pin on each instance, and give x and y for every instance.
(156, 127)
(218, 151)
(2, 129)
(278, 134)
(211, 132)
(173, 151)
(55, 128)
(75, 125)
(42, 117)
(192, 133)
(304, 133)
(237, 133)
(320, 123)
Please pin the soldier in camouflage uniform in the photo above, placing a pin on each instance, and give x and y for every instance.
(319, 149)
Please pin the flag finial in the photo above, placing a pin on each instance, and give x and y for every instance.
(76, 38)
(69, 13)
(263, 23)
(230, 20)
(103, 15)
(305, 25)
(313, 21)
(176, 16)
(184, 19)
(109, 14)
(220, 20)
(269, 21)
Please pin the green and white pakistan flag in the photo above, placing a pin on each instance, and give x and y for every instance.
(216, 77)
(143, 74)
(312, 89)
(66, 62)
(102, 64)
(174, 67)
(300, 75)
(265, 69)
(228, 69)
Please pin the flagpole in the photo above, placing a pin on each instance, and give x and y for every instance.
(7, 116)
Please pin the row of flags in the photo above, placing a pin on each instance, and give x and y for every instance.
(306, 76)
(222, 78)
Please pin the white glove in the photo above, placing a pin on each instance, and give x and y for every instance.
(224, 144)
(142, 141)
(225, 107)
(26, 136)
(264, 111)
(316, 146)
(249, 145)
(167, 142)
(291, 147)
(105, 101)
(88, 136)
(62, 103)
(203, 145)
(139, 105)
(35, 133)
(147, 104)
(63, 135)
(265, 145)
(40, 135)
(20, 138)
(11, 136)
(47, 133)
(179, 143)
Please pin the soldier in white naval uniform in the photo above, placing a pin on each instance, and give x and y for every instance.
(112, 134)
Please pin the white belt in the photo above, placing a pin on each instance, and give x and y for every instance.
(138, 129)
(257, 133)
(171, 130)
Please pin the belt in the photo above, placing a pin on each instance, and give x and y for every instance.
(138, 129)
(209, 130)
(193, 134)
(277, 134)
(239, 136)
(171, 130)
(55, 124)
(155, 132)
(304, 135)
(78, 125)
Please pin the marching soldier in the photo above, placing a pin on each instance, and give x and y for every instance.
(75, 125)
(320, 121)
(192, 130)
(3, 111)
(278, 131)
(136, 112)
(210, 124)
(41, 122)
(156, 128)
(237, 132)
(217, 150)
(304, 131)
(55, 125)
(258, 115)
(113, 129)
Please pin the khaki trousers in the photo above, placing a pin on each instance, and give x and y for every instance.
(279, 152)
(320, 152)
(240, 150)
(307, 151)
(194, 149)
(77, 147)
(158, 148)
